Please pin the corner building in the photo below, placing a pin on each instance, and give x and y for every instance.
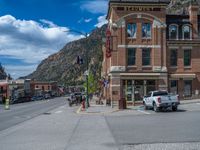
(151, 50)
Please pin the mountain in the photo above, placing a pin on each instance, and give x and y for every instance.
(62, 66)
(3, 74)
(181, 6)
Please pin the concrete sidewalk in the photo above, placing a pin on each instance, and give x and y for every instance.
(59, 129)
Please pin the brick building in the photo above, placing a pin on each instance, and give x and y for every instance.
(147, 49)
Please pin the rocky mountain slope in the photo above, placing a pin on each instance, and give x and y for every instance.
(62, 66)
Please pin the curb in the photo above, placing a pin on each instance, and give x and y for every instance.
(94, 113)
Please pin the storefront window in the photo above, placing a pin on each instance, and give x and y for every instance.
(173, 32)
(146, 57)
(187, 88)
(174, 86)
(173, 57)
(131, 30)
(146, 30)
(187, 57)
(131, 56)
(151, 85)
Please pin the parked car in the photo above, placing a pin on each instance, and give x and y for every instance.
(36, 98)
(161, 100)
(20, 100)
(47, 96)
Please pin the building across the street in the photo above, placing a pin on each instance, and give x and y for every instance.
(147, 49)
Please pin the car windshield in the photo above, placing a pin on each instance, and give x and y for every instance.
(160, 93)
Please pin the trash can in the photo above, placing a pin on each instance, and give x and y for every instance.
(122, 103)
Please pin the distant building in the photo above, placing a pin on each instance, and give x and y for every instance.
(147, 49)
(40, 88)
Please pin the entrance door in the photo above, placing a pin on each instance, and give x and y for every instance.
(139, 90)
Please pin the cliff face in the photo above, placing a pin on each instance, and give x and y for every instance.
(61, 66)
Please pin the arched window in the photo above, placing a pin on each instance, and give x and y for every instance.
(187, 32)
(173, 32)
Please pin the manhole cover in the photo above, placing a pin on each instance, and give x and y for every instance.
(47, 113)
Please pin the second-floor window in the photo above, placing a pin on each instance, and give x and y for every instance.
(187, 57)
(146, 30)
(131, 30)
(173, 32)
(173, 57)
(186, 32)
(131, 56)
(146, 57)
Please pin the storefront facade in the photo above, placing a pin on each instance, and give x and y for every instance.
(144, 50)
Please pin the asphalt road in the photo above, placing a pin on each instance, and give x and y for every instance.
(158, 131)
(19, 113)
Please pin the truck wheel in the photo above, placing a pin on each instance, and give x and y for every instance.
(155, 108)
(174, 108)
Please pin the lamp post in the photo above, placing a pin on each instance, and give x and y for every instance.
(87, 65)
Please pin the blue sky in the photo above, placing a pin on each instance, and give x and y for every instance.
(31, 30)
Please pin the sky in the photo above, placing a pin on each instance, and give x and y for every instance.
(31, 30)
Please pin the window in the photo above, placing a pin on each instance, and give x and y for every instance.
(146, 30)
(186, 32)
(131, 56)
(131, 30)
(187, 57)
(146, 57)
(173, 57)
(173, 32)
(187, 88)
(174, 86)
(199, 30)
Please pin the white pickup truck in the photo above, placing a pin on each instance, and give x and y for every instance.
(161, 99)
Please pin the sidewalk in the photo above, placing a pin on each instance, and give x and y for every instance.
(103, 109)
(59, 129)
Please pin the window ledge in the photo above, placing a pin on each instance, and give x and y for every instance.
(131, 38)
(132, 66)
(149, 66)
(187, 67)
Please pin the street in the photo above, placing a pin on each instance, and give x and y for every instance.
(61, 128)
(21, 112)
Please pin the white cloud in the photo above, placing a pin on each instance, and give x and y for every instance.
(31, 41)
(101, 21)
(85, 20)
(88, 20)
(19, 71)
(95, 6)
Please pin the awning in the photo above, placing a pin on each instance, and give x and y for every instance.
(183, 76)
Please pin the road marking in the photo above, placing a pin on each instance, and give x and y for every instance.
(198, 103)
(57, 112)
(144, 112)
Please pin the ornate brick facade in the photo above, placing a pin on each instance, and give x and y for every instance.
(151, 50)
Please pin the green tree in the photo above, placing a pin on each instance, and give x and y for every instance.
(92, 84)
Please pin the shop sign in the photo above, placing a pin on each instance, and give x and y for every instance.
(139, 8)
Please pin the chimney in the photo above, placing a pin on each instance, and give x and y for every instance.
(193, 14)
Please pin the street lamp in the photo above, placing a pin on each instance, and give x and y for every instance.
(87, 65)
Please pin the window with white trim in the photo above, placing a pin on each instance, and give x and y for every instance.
(131, 30)
(173, 32)
(186, 32)
(146, 30)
